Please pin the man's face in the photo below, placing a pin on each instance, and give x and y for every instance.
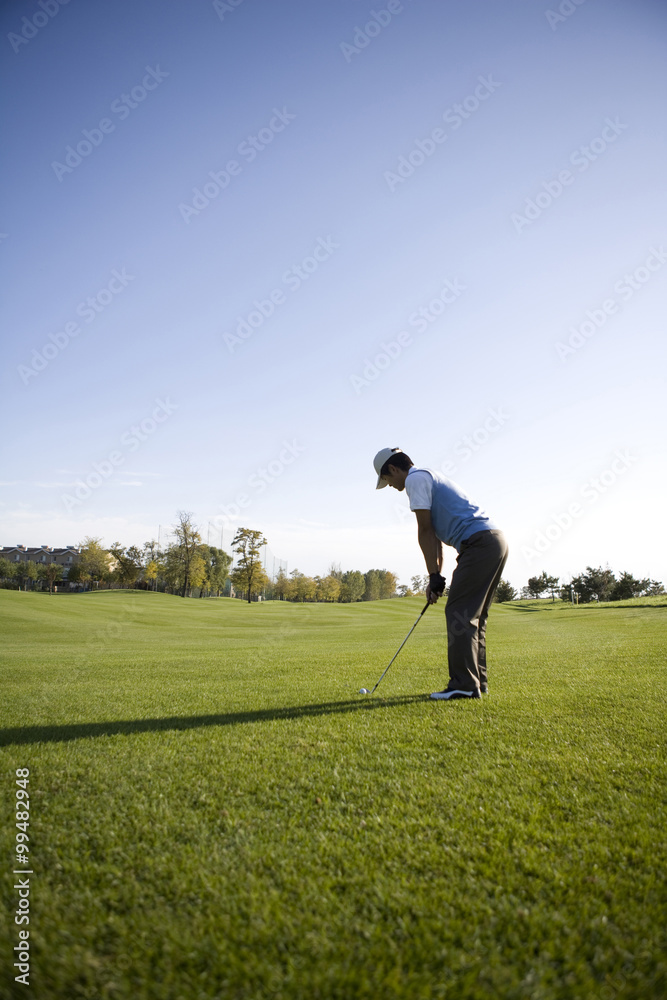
(395, 477)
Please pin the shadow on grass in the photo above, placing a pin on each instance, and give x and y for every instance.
(519, 607)
(83, 730)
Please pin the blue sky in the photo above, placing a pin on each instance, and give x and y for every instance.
(435, 226)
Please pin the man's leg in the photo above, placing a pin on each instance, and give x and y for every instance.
(478, 569)
(481, 632)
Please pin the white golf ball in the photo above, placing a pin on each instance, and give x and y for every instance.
(363, 691)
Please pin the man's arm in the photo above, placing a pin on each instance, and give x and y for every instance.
(431, 546)
(429, 542)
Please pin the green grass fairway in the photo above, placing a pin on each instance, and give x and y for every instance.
(215, 812)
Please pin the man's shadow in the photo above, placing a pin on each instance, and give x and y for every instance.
(84, 730)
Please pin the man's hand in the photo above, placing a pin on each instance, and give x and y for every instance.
(436, 587)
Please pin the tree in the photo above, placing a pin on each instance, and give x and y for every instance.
(150, 573)
(595, 583)
(404, 591)
(218, 563)
(504, 592)
(627, 586)
(352, 587)
(201, 564)
(379, 585)
(151, 561)
(328, 588)
(247, 544)
(335, 571)
(185, 567)
(388, 581)
(75, 574)
(31, 573)
(173, 570)
(576, 588)
(50, 574)
(183, 550)
(283, 587)
(7, 569)
(304, 586)
(372, 588)
(93, 560)
(128, 564)
(601, 584)
(198, 574)
(239, 578)
(417, 586)
(151, 551)
(536, 585)
(24, 571)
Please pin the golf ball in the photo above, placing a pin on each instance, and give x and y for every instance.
(363, 691)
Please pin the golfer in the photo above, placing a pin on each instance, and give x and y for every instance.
(445, 514)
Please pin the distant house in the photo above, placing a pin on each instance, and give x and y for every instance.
(42, 555)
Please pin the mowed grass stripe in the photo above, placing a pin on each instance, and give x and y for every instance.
(217, 813)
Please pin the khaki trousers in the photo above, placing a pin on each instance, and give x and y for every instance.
(478, 570)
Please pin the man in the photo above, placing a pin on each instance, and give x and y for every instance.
(445, 514)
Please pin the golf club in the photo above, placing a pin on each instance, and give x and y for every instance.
(365, 690)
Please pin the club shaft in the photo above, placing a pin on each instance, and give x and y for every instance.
(402, 644)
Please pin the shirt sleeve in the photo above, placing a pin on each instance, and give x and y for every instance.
(419, 488)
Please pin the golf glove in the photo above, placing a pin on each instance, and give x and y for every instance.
(437, 584)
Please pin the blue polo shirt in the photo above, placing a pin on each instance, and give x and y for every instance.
(454, 516)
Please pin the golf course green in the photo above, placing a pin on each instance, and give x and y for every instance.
(216, 812)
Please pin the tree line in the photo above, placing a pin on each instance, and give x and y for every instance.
(185, 566)
(595, 584)
(128, 568)
(30, 575)
(249, 578)
(189, 567)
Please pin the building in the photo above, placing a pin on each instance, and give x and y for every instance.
(42, 555)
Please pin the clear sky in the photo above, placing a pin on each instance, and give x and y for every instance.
(248, 244)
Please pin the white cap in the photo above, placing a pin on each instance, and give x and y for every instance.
(379, 461)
